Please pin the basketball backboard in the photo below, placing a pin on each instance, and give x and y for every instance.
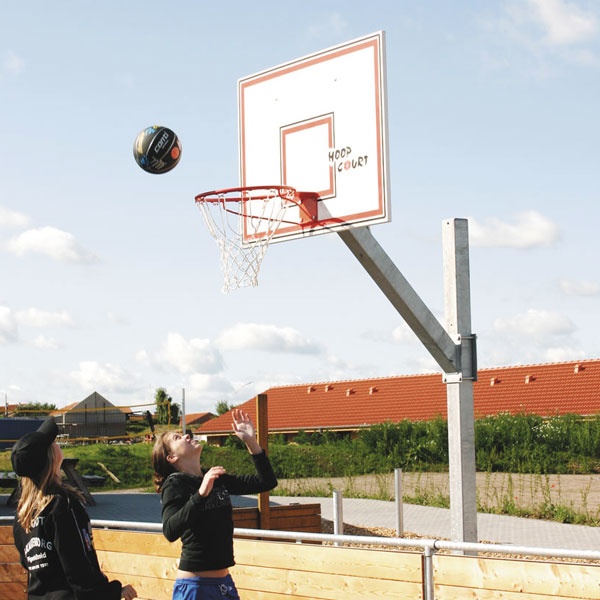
(319, 124)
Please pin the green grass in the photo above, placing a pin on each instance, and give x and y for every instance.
(515, 444)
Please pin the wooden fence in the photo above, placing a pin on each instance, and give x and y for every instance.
(276, 570)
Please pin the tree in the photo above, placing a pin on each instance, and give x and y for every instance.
(167, 411)
(34, 409)
(222, 407)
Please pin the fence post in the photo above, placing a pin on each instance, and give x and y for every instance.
(399, 502)
(338, 514)
(428, 589)
(262, 431)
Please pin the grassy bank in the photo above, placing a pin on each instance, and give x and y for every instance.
(525, 464)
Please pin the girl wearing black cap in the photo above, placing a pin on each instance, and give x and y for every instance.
(52, 530)
(196, 507)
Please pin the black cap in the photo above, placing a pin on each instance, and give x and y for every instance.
(29, 455)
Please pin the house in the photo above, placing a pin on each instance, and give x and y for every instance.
(197, 419)
(93, 417)
(348, 406)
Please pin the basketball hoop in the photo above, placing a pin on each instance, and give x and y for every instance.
(243, 221)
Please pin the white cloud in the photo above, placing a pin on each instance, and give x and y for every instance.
(12, 63)
(208, 384)
(116, 318)
(563, 353)
(529, 230)
(45, 343)
(579, 288)
(34, 317)
(12, 219)
(103, 378)
(268, 338)
(403, 334)
(51, 242)
(563, 22)
(536, 36)
(534, 336)
(204, 391)
(535, 323)
(190, 356)
(8, 326)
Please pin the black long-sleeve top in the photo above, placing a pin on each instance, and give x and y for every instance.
(205, 525)
(59, 554)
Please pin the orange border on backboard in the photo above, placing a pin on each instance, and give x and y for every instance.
(371, 51)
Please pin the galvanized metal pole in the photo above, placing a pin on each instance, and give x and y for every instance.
(459, 390)
(338, 513)
(183, 410)
(262, 436)
(452, 347)
(399, 502)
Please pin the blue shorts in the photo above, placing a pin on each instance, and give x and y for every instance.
(205, 588)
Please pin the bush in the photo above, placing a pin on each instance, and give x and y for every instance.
(503, 443)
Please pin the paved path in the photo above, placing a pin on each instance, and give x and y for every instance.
(421, 520)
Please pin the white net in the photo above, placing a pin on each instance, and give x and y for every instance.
(243, 222)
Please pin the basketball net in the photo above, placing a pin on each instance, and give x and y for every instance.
(243, 221)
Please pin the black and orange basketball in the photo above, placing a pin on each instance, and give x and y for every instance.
(157, 149)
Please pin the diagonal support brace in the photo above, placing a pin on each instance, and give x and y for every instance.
(403, 297)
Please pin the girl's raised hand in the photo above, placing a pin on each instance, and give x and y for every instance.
(242, 425)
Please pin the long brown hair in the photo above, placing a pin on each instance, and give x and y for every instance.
(37, 493)
(162, 467)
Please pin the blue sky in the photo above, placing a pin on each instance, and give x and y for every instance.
(110, 282)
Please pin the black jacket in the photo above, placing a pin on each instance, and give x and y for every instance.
(60, 557)
(205, 525)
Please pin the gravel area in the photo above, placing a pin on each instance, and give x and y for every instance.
(579, 492)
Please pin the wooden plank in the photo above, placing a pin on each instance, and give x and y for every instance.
(13, 591)
(461, 593)
(261, 595)
(322, 586)
(13, 577)
(9, 554)
(328, 559)
(297, 509)
(305, 518)
(150, 544)
(283, 511)
(149, 588)
(132, 565)
(546, 578)
(296, 523)
(12, 572)
(6, 535)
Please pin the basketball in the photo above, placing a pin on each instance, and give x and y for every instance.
(157, 149)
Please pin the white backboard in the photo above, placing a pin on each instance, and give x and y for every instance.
(319, 124)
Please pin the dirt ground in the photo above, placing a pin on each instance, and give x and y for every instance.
(580, 493)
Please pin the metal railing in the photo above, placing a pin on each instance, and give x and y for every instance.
(428, 546)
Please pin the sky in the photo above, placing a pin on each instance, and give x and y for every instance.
(110, 281)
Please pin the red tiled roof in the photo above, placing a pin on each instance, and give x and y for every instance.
(64, 409)
(191, 418)
(542, 389)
